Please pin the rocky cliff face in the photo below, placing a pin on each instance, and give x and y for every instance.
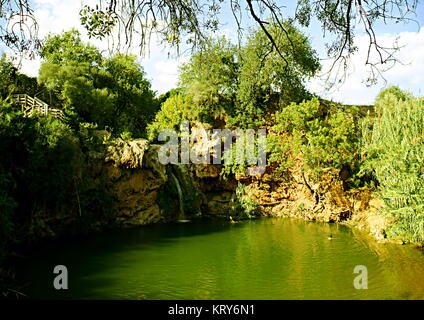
(325, 200)
(218, 194)
(144, 191)
(120, 186)
(134, 177)
(298, 195)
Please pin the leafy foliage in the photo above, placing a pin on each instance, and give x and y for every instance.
(68, 47)
(110, 92)
(231, 86)
(40, 159)
(268, 81)
(178, 107)
(43, 171)
(242, 206)
(135, 104)
(325, 134)
(211, 77)
(394, 144)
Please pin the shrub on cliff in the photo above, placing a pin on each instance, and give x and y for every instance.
(178, 107)
(324, 134)
(394, 144)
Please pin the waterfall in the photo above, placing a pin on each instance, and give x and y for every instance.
(188, 196)
(180, 194)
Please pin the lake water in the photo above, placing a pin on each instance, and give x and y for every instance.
(260, 259)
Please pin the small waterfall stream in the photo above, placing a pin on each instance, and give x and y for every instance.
(189, 197)
(180, 195)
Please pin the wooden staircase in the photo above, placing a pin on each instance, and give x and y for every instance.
(30, 106)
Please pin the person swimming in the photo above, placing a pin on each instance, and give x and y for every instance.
(330, 237)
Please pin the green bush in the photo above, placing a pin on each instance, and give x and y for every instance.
(242, 206)
(325, 134)
(278, 151)
(178, 107)
(394, 144)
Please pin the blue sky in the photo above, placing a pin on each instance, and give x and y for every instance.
(61, 15)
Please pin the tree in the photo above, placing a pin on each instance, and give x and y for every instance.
(393, 142)
(325, 134)
(177, 108)
(68, 47)
(211, 76)
(111, 92)
(70, 71)
(7, 77)
(269, 78)
(239, 85)
(135, 103)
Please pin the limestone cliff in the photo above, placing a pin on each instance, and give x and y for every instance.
(134, 176)
(141, 192)
(119, 186)
(324, 199)
(298, 195)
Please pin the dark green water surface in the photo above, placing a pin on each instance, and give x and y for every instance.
(260, 259)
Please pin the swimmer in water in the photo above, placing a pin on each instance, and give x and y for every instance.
(330, 237)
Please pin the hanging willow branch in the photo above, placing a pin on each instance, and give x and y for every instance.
(18, 27)
(194, 20)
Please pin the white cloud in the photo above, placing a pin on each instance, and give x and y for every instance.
(30, 67)
(408, 75)
(53, 16)
(165, 73)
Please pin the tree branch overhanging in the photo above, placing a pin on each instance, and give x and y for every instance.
(193, 21)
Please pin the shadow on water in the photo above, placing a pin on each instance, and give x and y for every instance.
(37, 275)
(260, 259)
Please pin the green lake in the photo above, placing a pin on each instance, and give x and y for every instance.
(260, 259)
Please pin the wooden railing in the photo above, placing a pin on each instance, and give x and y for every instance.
(32, 105)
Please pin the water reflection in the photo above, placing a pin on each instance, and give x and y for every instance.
(262, 259)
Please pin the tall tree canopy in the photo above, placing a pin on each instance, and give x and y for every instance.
(111, 92)
(230, 85)
(269, 78)
(247, 80)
